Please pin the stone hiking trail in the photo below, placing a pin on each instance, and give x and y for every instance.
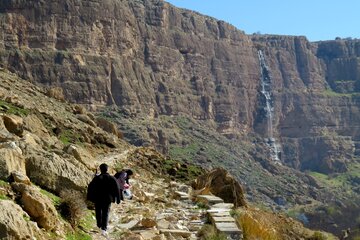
(162, 209)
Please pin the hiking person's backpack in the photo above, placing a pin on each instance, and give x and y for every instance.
(91, 190)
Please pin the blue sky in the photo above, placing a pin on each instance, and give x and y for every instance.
(315, 19)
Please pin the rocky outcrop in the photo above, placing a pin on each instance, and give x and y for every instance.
(34, 125)
(11, 159)
(19, 177)
(82, 155)
(55, 173)
(51, 152)
(220, 183)
(14, 223)
(14, 124)
(107, 126)
(38, 206)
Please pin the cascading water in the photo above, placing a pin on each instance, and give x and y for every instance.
(266, 91)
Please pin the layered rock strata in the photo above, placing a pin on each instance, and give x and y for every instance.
(148, 57)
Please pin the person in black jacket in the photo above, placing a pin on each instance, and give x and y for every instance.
(103, 190)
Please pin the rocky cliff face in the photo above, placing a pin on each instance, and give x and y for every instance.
(310, 109)
(141, 55)
(342, 64)
(152, 58)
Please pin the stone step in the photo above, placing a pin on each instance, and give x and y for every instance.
(228, 228)
(218, 210)
(223, 205)
(182, 195)
(219, 214)
(223, 219)
(209, 199)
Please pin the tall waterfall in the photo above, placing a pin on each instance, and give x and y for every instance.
(266, 91)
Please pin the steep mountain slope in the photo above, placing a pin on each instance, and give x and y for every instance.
(50, 148)
(49, 151)
(191, 86)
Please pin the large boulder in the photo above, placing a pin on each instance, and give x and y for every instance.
(29, 142)
(14, 124)
(78, 109)
(55, 173)
(11, 159)
(34, 125)
(56, 92)
(38, 206)
(19, 177)
(86, 119)
(220, 183)
(82, 155)
(107, 126)
(15, 223)
(5, 136)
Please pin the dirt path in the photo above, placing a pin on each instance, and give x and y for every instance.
(154, 210)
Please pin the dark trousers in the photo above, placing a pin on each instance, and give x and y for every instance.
(102, 214)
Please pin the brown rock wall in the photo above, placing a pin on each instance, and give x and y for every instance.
(142, 56)
(148, 57)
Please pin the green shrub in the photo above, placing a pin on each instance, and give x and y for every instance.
(4, 197)
(317, 236)
(331, 210)
(88, 221)
(118, 166)
(4, 184)
(26, 217)
(68, 136)
(12, 109)
(201, 205)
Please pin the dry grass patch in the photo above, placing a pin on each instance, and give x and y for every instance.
(265, 225)
(73, 206)
(256, 226)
